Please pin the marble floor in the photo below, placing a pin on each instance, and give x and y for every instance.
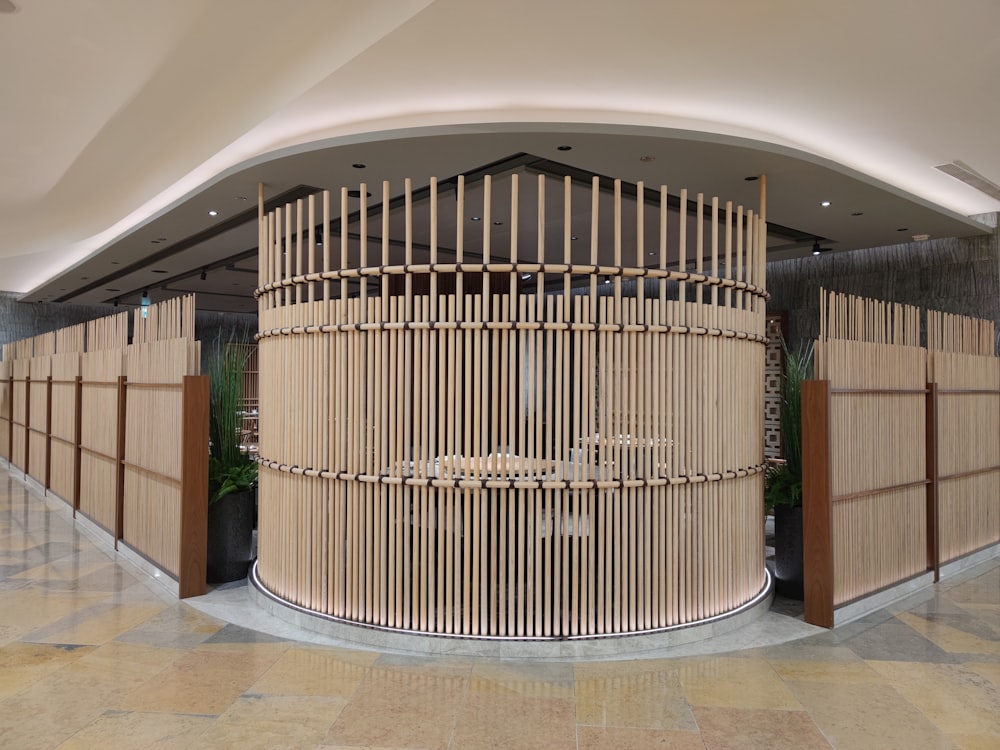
(94, 654)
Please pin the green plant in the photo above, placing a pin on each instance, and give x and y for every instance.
(229, 468)
(783, 479)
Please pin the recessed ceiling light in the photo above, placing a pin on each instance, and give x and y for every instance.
(825, 204)
(155, 242)
(652, 252)
(903, 229)
(158, 270)
(647, 159)
(525, 276)
(241, 197)
(359, 165)
(564, 148)
(112, 290)
(752, 178)
(213, 212)
(498, 223)
(475, 218)
(574, 237)
(858, 213)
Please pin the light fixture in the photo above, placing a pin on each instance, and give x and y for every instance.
(525, 276)
(752, 178)
(857, 213)
(475, 218)
(564, 148)
(213, 212)
(817, 250)
(204, 274)
(358, 165)
(825, 204)
(574, 237)
(647, 159)
(607, 279)
(498, 223)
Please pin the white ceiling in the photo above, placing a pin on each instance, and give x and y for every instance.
(123, 122)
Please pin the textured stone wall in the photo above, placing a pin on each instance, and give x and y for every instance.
(19, 320)
(959, 276)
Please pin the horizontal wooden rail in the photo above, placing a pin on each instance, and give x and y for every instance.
(881, 490)
(152, 473)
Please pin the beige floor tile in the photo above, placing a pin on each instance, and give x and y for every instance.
(402, 707)
(842, 672)
(866, 716)
(958, 700)
(201, 682)
(736, 683)
(273, 723)
(950, 638)
(104, 625)
(22, 664)
(124, 730)
(622, 738)
(972, 742)
(29, 608)
(739, 729)
(515, 722)
(526, 679)
(653, 700)
(302, 670)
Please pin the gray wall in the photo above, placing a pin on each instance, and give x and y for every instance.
(959, 276)
(20, 320)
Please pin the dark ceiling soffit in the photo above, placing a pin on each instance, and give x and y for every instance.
(300, 191)
(508, 164)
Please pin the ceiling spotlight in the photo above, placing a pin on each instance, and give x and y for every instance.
(204, 274)
(903, 229)
(525, 276)
(498, 223)
(817, 250)
(213, 212)
(825, 204)
(573, 237)
(607, 279)
(752, 178)
(857, 213)
(564, 148)
(358, 165)
(475, 218)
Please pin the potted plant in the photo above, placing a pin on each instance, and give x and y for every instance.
(783, 480)
(232, 474)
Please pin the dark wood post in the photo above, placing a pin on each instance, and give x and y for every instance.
(48, 433)
(27, 425)
(817, 505)
(120, 461)
(77, 443)
(933, 526)
(194, 488)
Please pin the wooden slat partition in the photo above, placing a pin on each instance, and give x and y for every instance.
(909, 440)
(966, 374)
(869, 352)
(153, 499)
(472, 437)
(119, 431)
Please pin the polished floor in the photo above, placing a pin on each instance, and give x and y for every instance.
(93, 654)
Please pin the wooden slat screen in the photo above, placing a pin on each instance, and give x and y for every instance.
(464, 436)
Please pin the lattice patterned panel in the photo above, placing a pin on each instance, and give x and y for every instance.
(774, 364)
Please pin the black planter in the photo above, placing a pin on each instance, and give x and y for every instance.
(788, 551)
(230, 537)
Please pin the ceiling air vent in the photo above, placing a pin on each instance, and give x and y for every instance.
(962, 171)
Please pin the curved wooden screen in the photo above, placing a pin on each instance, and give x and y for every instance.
(466, 432)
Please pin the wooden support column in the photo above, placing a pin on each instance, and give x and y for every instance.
(27, 425)
(48, 433)
(77, 443)
(933, 526)
(817, 506)
(120, 462)
(10, 419)
(194, 488)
